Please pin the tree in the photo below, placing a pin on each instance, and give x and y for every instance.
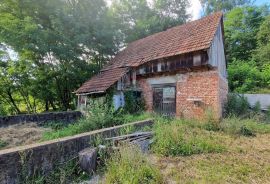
(244, 76)
(67, 41)
(210, 6)
(241, 27)
(262, 53)
(137, 18)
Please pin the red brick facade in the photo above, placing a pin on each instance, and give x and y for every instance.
(195, 93)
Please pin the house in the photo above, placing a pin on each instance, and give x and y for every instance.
(180, 71)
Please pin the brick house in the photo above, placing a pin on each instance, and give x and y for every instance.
(179, 71)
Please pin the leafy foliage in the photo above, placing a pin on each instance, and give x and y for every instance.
(244, 76)
(3, 144)
(236, 105)
(133, 104)
(210, 6)
(99, 115)
(63, 43)
(140, 19)
(241, 27)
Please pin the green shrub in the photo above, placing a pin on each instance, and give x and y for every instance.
(236, 105)
(245, 131)
(97, 120)
(257, 107)
(129, 165)
(179, 138)
(3, 144)
(133, 103)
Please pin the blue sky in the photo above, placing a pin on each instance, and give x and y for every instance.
(260, 2)
(196, 9)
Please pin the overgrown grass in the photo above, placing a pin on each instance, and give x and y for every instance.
(129, 165)
(247, 127)
(68, 172)
(93, 123)
(183, 138)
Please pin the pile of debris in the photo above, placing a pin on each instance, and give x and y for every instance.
(89, 156)
(141, 139)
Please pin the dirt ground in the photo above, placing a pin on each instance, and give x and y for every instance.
(246, 161)
(21, 134)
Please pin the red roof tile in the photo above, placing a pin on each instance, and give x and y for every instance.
(193, 36)
(102, 81)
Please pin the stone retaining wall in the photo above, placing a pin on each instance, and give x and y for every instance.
(44, 156)
(65, 117)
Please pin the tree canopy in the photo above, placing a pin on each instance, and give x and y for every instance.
(60, 44)
(210, 6)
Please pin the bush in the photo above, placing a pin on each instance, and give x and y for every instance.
(179, 138)
(3, 144)
(129, 165)
(257, 107)
(245, 131)
(236, 105)
(100, 115)
(134, 103)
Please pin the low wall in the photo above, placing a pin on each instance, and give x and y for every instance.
(44, 156)
(264, 100)
(65, 117)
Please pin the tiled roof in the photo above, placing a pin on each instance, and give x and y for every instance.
(102, 81)
(193, 36)
(189, 37)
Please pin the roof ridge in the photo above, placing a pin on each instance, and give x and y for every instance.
(178, 26)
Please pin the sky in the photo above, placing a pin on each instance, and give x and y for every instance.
(196, 9)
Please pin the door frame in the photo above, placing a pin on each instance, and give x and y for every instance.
(164, 85)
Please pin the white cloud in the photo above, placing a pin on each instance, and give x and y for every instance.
(195, 9)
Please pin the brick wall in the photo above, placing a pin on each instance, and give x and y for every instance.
(147, 93)
(206, 86)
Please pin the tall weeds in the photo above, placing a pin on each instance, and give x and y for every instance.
(129, 165)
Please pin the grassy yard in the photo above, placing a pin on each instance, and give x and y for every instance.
(237, 151)
(185, 151)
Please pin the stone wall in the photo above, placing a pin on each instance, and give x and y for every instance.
(195, 92)
(65, 117)
(43, 157)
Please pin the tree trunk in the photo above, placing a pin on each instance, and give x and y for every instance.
(13, 102)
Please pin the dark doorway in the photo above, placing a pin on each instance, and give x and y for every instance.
(164, 99)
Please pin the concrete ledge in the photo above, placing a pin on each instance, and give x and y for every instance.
(65, 117)
(43, 157)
